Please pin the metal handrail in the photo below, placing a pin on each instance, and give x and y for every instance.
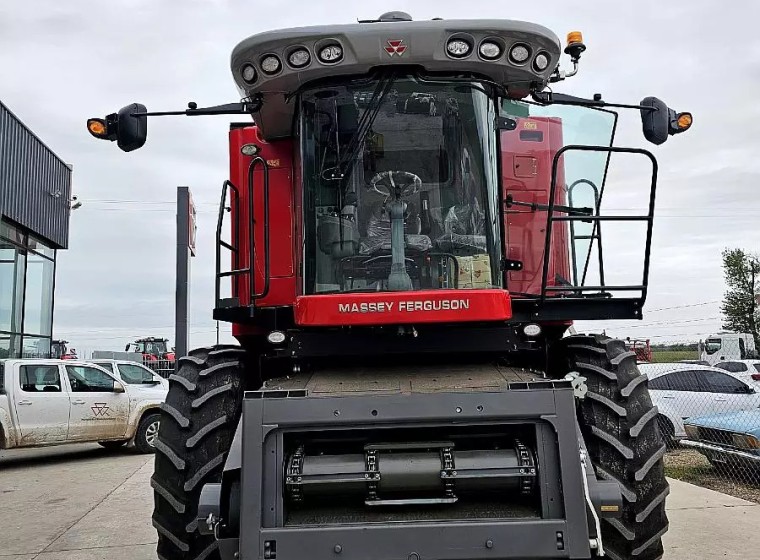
(234, 247)
(251, 231)
(551, 218)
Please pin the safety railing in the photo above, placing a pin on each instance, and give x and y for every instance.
(234, 246)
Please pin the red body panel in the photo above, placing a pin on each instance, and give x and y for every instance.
(279, 157)
(394, 308)
(526, 167)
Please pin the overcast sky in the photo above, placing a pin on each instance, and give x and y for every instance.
(62, 62)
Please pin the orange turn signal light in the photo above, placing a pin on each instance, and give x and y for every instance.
(97, 127)
(574, 37)
(684, 121)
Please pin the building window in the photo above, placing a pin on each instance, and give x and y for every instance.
(12, 267)
(38, 296)
(27, 272)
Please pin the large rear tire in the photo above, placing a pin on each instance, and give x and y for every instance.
(198, 422)
(622, 435)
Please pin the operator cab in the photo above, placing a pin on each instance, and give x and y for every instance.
(398, 151)
(397, 144)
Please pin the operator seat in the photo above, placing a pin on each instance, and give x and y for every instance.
(378, 231)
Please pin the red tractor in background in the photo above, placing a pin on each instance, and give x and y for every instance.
(152, 349)
(400, 283)
(156, 354)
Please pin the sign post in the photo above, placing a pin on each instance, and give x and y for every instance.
(186, 228)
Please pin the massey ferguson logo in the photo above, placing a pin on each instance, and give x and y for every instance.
(395, 46)
(418, 305)
(100, 409)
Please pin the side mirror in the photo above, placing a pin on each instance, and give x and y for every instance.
(118, 387)
(659, 121)
(125, 127)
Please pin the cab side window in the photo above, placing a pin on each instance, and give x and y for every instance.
(134, 374)
(85, 379)
(40, 379)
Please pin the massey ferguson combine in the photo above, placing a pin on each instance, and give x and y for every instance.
(413, 219)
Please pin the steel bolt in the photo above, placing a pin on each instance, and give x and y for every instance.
(489, 543)
(338, 549)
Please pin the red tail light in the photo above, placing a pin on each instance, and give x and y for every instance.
(756, 376)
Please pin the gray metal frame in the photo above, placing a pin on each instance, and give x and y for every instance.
(364, 48)
(562, 531)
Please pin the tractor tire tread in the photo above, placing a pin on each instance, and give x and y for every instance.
(198, 423)
(186, 383)
(182, 420)
(625, 448)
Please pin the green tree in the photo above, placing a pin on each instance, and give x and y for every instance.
(740, 303)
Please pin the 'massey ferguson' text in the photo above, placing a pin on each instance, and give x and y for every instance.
(412, 305)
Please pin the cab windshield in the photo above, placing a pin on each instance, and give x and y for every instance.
(712, 345)
(400, 188)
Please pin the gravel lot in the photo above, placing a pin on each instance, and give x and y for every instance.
(691, 466)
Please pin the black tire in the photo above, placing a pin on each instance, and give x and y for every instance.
(111, 445)
(147, 432)
(198, 422)
(620, 429)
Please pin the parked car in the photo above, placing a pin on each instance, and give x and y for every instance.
(730, 440)
(682, 391)
(51, 402)
(748, 370)
(132, 373)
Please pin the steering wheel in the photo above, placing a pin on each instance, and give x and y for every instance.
(395, 183)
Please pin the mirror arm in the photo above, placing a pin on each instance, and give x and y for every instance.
(551, 98)
(243, 108)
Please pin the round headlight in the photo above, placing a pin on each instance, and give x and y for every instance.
(490, 50)
(249, 149)
(541, 62)
(248, 72)
(299, 58)
(532, 330)
(331, 53)
(519, 54)
(276, 337)
(458, 48)
(270, 64)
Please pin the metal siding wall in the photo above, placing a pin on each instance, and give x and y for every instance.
(35, 185)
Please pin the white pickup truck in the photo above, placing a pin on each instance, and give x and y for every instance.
(52, 402)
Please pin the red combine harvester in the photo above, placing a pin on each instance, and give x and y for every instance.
(413, 213)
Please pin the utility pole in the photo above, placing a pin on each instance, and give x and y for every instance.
(185, 249)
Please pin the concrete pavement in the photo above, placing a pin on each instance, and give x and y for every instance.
(85, 503)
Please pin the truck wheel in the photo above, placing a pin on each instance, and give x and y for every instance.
(147, 433)
(622, 435)
(198, 422)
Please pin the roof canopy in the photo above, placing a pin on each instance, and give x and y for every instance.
(393, 40)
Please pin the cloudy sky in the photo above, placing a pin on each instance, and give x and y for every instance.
(62, 62)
